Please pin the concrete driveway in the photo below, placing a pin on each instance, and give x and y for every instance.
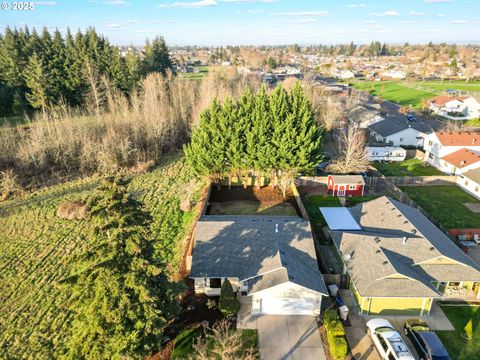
(289, 337)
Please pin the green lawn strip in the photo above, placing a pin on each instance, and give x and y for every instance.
(445, 204)
(12, 120)
(472, 122)
(410, 167)
(458, 346)
(454, 85)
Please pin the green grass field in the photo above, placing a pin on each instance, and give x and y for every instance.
(12, 120)
(395, 92)
(458, 347)
(410, 167)
(196, 76)
(36, 250)
(445, 204)
(446, 84)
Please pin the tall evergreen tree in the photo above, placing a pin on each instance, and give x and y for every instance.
(36, 83)
(122, 300)
(156, 57)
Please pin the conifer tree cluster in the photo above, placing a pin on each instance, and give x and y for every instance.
(122, 299)
(260, 136)
(41, 70)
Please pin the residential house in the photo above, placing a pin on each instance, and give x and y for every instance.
(394, 74)
(362, 117)
(398, 261)
(397, 130)
(270, 260)
(460, 161)
(455, 108)
(385, 153)
(438, 145)
(346, 185)
(470, 182)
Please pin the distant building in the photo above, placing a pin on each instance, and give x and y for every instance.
(455, 108)
(470, 182)
(346, 185)
(397, 130)
(386, 153)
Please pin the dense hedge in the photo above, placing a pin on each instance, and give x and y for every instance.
(336, 334)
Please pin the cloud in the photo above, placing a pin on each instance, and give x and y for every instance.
(415, 13)
(46, 3)
(132, 21)
(302, 13)
(357, 5)
(386, 13)
(196, 4)
(369, 22)
(441, 15)
(437, 1)
(434, 30)
(117, 3)
(406, 22)
(113, 25)
(247, 1)
(459, 22)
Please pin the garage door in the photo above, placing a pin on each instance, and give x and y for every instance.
(288, 306)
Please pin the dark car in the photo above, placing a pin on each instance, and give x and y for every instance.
(411, 118)
(426, 342)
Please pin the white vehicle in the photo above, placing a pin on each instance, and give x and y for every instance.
(388, 341)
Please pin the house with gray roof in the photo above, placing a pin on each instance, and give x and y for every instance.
(397, 130)
(399, 262)
(270, 259)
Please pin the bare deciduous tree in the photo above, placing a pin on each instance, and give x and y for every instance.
(351, 155)
(222, 342)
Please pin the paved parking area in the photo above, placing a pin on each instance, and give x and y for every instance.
(289, 337)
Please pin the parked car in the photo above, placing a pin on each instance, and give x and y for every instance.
(426, 342)
(411, 118)
(387, 340)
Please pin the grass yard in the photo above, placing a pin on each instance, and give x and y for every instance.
(245, 207)
(446, 84)
(354, 200)
(473, 123)
(196, 76)
(410, 167)
(458, 347)
(395, 92)
(36, 250)
(445, 204)
(312, 204)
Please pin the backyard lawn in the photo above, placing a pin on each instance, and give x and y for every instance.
(410, 167)
(354, 200)
(445, 204)
(458, 347)
(314, 202)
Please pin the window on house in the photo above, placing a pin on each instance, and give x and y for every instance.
(401, 139)
(476, 188)
(466, 182)
(352, 187)
(430, 156)
(215, 283)
(430, 143)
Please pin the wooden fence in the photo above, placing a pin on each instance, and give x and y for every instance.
(299, 201)
(422, 180)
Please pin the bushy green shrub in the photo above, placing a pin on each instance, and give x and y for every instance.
(228, 303)
(336, 334)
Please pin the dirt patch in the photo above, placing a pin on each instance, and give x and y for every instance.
(72, 210)
(251, 201)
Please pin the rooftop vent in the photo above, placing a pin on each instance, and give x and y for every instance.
(385, 262)
(377, 239)
(276, 228)
(404, 240)
(432, 248)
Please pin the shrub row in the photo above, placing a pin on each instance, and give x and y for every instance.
(335, 334)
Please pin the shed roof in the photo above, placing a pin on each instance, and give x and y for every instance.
(460, 138)
(248, 247)
(348, 179)
(473, 175)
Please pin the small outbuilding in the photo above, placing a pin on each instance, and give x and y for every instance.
(346, 185)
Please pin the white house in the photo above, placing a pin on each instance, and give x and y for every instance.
(386, 153)
(470, 182)
(397, 130)
(362, 117)
(439, 145)
(394, 74)
(455, 108)
(270, 261)
(346, 74)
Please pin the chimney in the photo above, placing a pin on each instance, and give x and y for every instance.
(474, 141)
(276, 228)
(404, 240)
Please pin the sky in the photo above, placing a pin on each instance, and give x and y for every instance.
(258, 22)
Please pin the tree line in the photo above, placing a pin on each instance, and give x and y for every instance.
(42, 70)
(262, 136)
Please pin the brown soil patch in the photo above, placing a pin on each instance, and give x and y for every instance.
(257, 199)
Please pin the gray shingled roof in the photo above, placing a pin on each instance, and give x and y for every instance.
(396, 253)
(473, 175)
(360, 114)
(395, 123)
(247, 247)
